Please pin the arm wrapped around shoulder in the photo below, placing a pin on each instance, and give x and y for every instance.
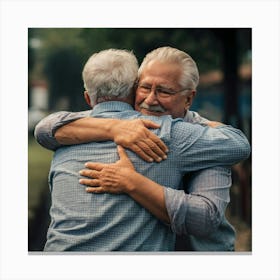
(200, 147)
(240, 144)
(45, 130)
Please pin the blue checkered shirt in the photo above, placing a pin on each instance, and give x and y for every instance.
(107, 222)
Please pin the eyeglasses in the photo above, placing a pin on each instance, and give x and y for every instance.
(160, 92)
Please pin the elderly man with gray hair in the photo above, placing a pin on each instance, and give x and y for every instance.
(114, 221)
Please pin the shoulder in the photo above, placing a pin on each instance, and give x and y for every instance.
(194, 117)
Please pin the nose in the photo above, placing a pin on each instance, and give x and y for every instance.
(151, 99)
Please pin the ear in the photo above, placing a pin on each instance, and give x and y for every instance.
(189, 100)
(87, 98)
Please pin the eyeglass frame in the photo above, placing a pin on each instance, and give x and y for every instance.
(167, 92)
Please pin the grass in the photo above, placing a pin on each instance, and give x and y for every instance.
(39, 160)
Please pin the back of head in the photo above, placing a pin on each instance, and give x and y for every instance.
(190, 75)
(110, 74)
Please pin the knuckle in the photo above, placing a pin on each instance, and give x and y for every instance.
(93, 182)
(94, 174)
(136, 149)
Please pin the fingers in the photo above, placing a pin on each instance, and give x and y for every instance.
(95, 190)
(93, 174)
(151, 148)
(90, 182)
(95, 165)
(148, 151)
(150, 124)
(151, 151)
(142, 153)
(159, 144)
(141, 140)
(214, 124)
(156, 148)
(162, 149)
(139, 149)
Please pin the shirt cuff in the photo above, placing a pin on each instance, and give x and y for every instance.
(174, 201)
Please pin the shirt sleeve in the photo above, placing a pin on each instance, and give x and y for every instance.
(198, 147)
(199, 211)
(46, 128)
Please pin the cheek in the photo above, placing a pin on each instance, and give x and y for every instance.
(176, 108)
(138, 101)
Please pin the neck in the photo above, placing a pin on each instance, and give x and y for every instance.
(106, 99)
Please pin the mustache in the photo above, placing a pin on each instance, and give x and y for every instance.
(152, 108)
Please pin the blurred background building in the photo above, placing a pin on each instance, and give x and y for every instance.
(56, 57)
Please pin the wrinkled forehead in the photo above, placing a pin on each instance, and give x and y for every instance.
(161, 72)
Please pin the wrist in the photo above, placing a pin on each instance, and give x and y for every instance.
(111, 128)
(133, 182)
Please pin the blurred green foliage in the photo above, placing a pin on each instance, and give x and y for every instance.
(39, 160)
(59, 54)
(204, 44)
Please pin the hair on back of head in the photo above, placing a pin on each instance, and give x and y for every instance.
(110, 74)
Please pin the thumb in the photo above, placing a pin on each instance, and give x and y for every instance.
(124, 159)
(122, 153)
(150, 124)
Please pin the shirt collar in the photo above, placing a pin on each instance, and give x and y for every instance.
(110, 106)
(189, 116)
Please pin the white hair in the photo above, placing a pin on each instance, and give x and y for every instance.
(190, 74)
(110, 74)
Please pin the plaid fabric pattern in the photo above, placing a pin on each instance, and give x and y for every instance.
(106, 222)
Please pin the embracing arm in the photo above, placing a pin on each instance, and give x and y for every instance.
(200, 211)
(121, 177)
(64, 128)
(132, 134)
(149, 194)
(67, 128)
(199, 147)
(230, 144)
(45, 130)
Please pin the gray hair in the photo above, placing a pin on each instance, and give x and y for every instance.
(110, 74)
(190, 74)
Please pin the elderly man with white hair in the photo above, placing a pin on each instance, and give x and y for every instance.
(114, 219)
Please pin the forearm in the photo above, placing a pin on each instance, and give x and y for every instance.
(206, 147)
(85, 130)
(46, 128)
(148, 194)
(121, 177)
(241, 146)
(199, 209)
(238, 147)
(233, 144)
